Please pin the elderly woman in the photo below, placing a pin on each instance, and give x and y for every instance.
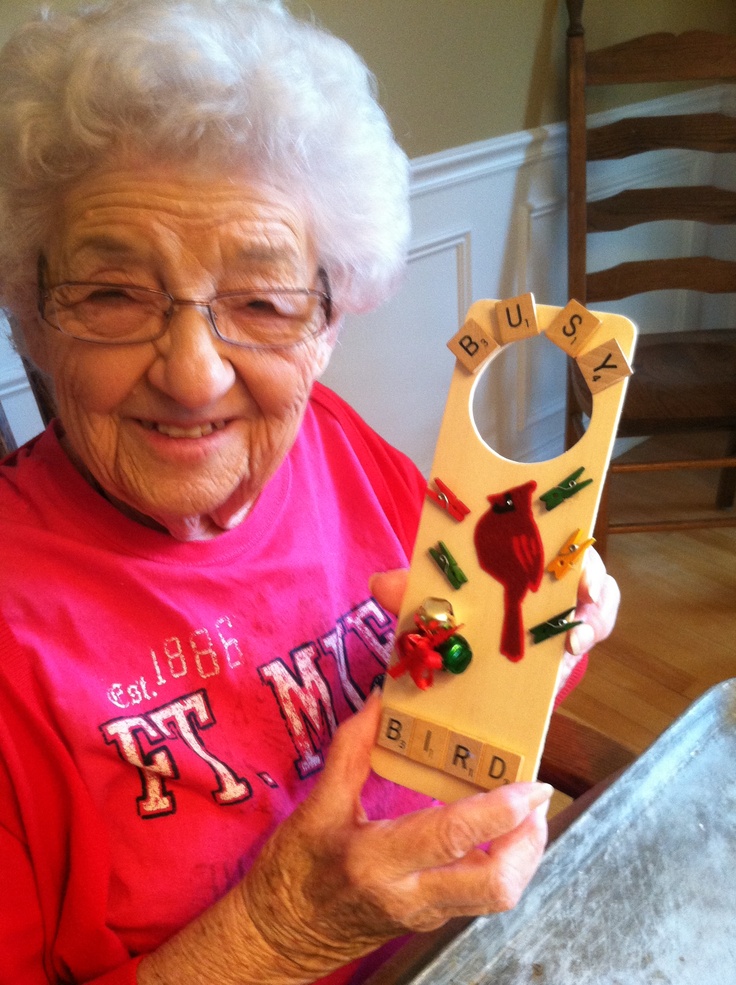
(192, 193)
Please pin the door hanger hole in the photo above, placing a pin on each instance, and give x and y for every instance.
(519, 401)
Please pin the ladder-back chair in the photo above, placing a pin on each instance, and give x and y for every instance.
(684, 382)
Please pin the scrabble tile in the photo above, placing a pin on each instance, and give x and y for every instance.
(428, 743)
(471, 346)
(462, 756)
(572, 328)
(497, 767)
(395, 731)
(603, 366)
(517, 318)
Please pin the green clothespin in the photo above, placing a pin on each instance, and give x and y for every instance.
(565, 489)
(553, 627)
(448, 565)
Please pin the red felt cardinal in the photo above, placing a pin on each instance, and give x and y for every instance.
(510, 549)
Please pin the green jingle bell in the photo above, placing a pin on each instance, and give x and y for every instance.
(456, 654)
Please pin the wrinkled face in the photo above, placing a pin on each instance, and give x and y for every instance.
(188, 428)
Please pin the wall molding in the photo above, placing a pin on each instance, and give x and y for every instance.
(460, 243)
(12, 385)
(483, 158)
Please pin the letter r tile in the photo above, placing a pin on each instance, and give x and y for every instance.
(462, 756)
(395, 731)
(471, 345)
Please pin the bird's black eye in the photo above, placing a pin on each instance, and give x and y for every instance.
(507, 506)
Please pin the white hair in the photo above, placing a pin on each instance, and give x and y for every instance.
(222, 83)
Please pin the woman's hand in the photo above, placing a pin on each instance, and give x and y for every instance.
(330, 885)
(597, 606)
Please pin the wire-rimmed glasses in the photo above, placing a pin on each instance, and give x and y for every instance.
(123, 314)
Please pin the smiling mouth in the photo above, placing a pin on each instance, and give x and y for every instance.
(172, 431)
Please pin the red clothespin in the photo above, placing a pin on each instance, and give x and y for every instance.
(448, 501)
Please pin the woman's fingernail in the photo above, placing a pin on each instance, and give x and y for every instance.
(541, 794)
(542, 810)
(581, 639)
(595, 590)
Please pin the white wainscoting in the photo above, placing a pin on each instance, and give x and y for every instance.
(488, 221)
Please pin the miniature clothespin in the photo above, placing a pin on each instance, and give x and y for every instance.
(569, 554)
(448, 501)
(565, 489)
(448, 565)
(553, 626)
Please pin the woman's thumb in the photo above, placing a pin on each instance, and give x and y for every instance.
(348, 762)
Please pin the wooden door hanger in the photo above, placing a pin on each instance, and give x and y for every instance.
(496, 567)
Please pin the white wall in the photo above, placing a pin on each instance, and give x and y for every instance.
(489, 221)
(15, 394)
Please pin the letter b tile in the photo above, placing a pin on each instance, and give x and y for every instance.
(395, 731)
(471, 346)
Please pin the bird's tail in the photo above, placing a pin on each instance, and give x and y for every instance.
(512, 631)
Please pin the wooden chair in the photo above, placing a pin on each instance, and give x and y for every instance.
(683, 381)
(577, 757)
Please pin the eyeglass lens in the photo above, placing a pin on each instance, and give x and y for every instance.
(115, 314)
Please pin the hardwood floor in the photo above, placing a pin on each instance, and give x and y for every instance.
(676, 632)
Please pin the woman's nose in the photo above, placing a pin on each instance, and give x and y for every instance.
(191, 366)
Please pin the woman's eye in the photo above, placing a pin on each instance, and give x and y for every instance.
(104, 295)
(261, 304)
(257, 306)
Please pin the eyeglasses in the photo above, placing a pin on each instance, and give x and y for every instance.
(122, 314)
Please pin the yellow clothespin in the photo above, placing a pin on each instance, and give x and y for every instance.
(568, 554)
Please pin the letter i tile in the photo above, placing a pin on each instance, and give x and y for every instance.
(428, 744)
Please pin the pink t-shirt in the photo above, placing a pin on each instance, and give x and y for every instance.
(164, 705)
